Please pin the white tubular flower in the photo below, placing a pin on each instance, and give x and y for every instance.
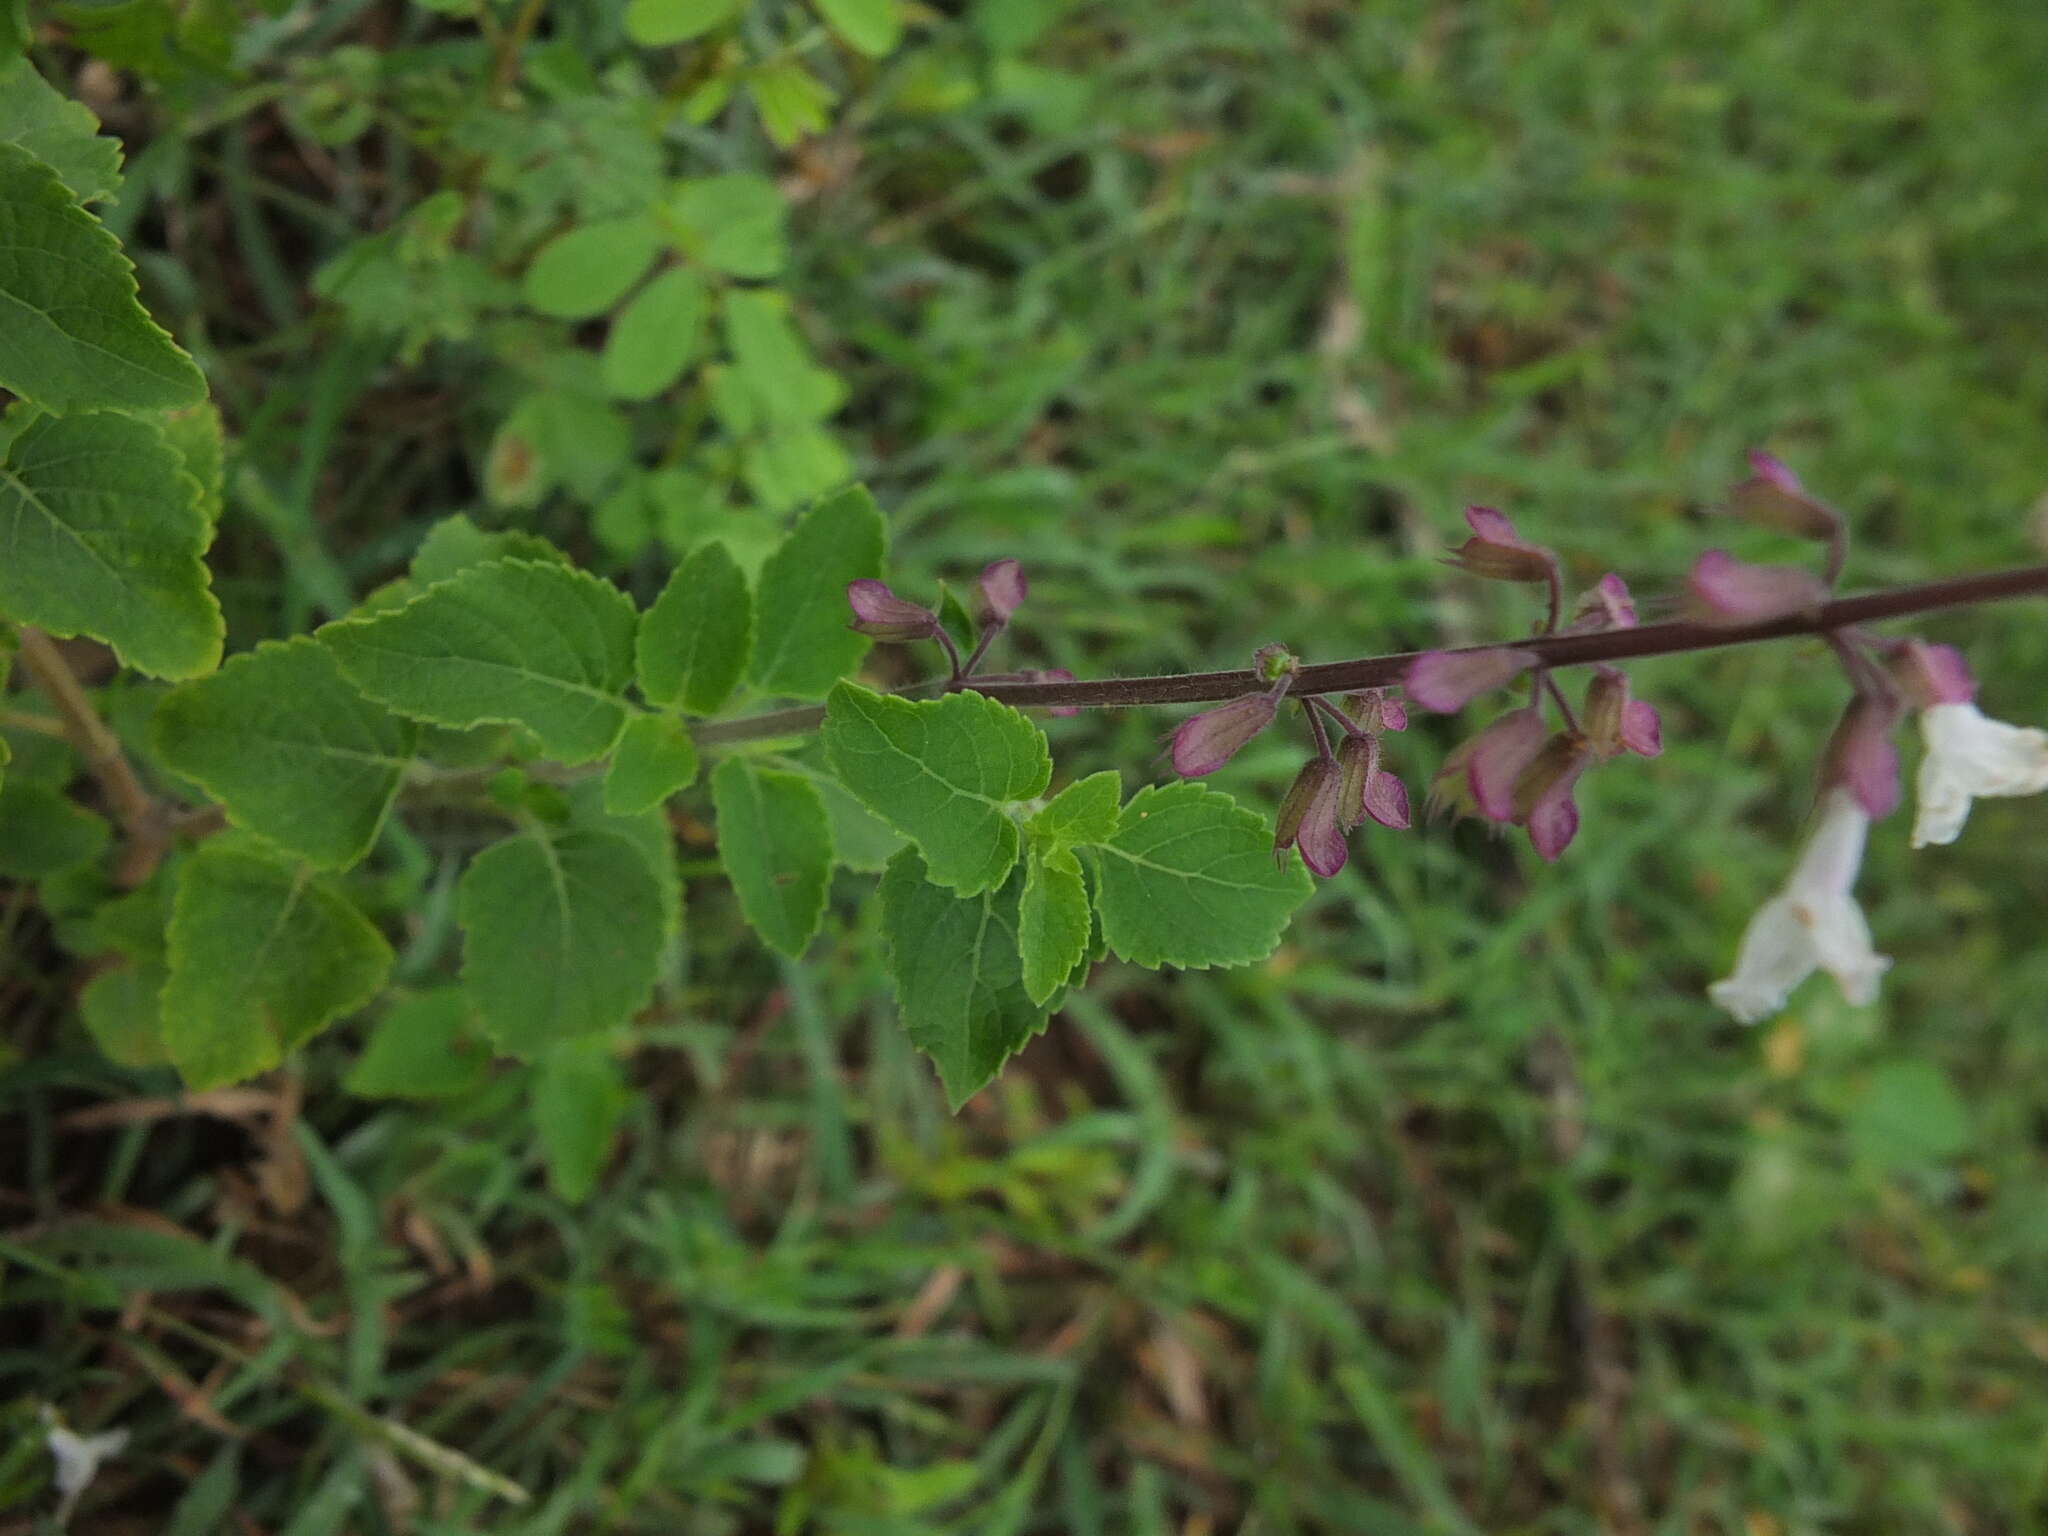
(1813, 923)
(78, 1458)
(1968, 755)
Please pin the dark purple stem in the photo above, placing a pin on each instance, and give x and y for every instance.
(1569, 650)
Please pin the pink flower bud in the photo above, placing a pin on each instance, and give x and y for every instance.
(1310, 818)
(1003, 589)
(1642, 732)
(1933, 674)
(1386, 800)
(1205, 742)
(1615, 722)
(1496, 552)
(1724, 590)
(1446, 681)
(1374, 710)
(880, 613)
(1543, 794)
(1772, 497)
(1053, 675)
(1480, 773)
(1861, 758)
(1607, 606)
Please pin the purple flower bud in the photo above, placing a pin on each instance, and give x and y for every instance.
(1724, 590)
(1310, 818)
(1003, 589)
(1772, 497)
(1205, 742)
(880, 613)
(1607, 606)
(1543, 794)
(1386, 800)
(1933, 674)
(1496, 552)
(1642, 732)
(1861, 757)
(1480, 773)
(1053, 675)
(1615, 722)
(1446, 681)
(1374, 710)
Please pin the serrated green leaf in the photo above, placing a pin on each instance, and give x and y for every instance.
(801, 643)
(421, 1048)
(943, 772)
(263, 955)
(105, 537)
(200, 442)
(654, 338)
(511, 642)
(1188, 879)
(861, 840)
(693, 643)
(455, 543)
(562, 935)
(60, 132)
(579, 1098)
(42, 832)
(874, 27)
(653, 759)
(733, 224)
(122, 1008)
(959, 980)
(1082, 813)
(776, 845)
(1052, 921)
(658, 23)
(290, 748)
(587, 270)
(77, 337)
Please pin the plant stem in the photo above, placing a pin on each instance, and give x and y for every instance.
(1573, 650)
(142, 819)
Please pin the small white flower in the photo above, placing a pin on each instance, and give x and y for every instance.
(78, 1459)
(1813, 923)
(1968, 755)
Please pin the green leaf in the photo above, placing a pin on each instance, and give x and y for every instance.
(734, 224)
(1053, 921)
(1909, 1115)
(60, 132)
(774, 366)
(874, 27)
(105, 537)
(455, 543)
(657, 336)
(123, 1012)
(290, 748)
(579, 1098)
(776, 845)
(263, 955)
(790, 99)
(944, 772)
(959, 982)
(562, 935)
(196, 435)
(793, 464)
(587, 270)
(1084, 812)
(658, 23)
(1188, 880)
(861, 840)
(421, 1049)
(693, 642)
(801, 643)
(43, 833)
(653, 759)
(77, 338)
(512, 642)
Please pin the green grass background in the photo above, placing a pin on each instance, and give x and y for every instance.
(1466, 1212)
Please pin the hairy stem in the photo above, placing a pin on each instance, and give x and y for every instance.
(142, 818)
(1385, 671)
